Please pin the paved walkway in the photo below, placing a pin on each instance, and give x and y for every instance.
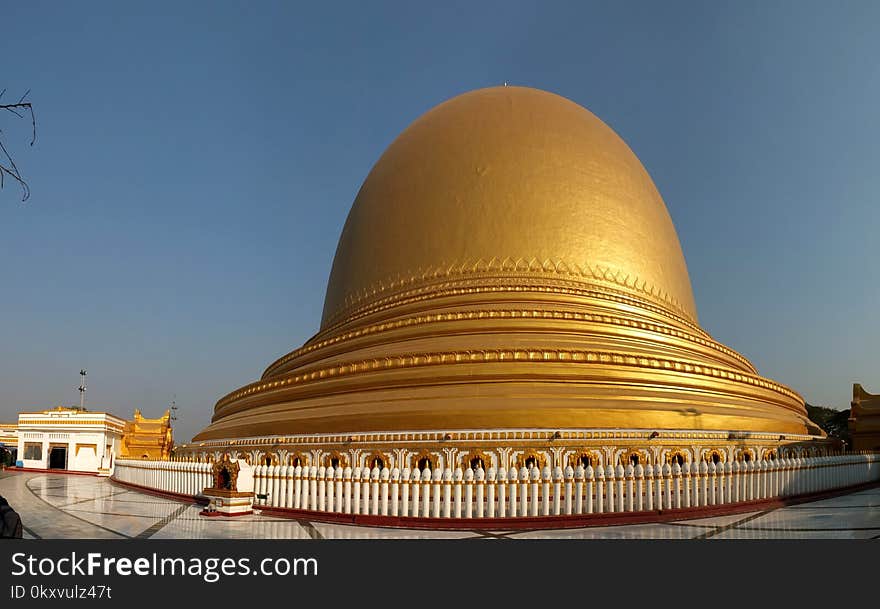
(67, 506)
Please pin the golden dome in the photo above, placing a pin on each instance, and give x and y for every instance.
(508, 264)
(507, 178)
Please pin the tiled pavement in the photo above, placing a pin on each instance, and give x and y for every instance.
(68, 506)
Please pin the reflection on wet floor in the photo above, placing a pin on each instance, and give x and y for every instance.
(55, 505)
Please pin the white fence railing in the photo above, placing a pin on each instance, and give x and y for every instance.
(457, 493)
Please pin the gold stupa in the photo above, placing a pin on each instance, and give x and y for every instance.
(508, 265)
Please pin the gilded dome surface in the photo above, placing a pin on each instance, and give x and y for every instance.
(508, 264)
(507, 177)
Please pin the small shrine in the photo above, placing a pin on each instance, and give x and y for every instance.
(232, 493)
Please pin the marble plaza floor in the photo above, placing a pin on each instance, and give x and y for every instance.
(54, 506)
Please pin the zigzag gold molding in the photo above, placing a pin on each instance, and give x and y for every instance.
(504, 314)
(506, 284)
(532, 266)
(505, 355)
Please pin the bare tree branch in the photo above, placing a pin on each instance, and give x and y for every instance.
(9, 167)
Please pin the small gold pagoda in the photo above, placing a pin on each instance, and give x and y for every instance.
(147, 438)
(864, 420)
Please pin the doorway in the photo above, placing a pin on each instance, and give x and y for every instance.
(58, 457)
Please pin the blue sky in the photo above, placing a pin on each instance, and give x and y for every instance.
(195, 163)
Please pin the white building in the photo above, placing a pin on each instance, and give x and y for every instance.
(69, 439)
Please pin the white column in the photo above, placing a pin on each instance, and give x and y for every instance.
(457, 477)
(438, 479)
(395, 491)
(639, 477)
(313, 487)
(480, 483)
(534, 478)
(468, 493)
(426, 493)
(512, 487)
(523, 491)
(600, 488)
(405, 484)
(490, 493)
(384, 476)
(347, 484)
(502, 492)
(415, 484)
(330, 486)
(374, 489)
(649, 487)
(609, 489)
(676, 485)
(545, 490)
(588, 489)
(356, 490)
(667, 484)
(298, 502)
(447, 492)
(579, 474)
(569, 489)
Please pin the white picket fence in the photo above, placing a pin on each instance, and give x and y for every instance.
(448, 493)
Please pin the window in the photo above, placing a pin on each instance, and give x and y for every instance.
(425, 462)
(586, 461)
(377, 462)
(476, 463)
(334, 462)
(531, 461)
(677, 458)
(267, 460)
(634, 459)
(296, 461)
(33, 451)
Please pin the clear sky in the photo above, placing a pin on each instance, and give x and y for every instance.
(195, 163)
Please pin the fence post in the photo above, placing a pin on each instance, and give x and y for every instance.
(639, 475)
(426, 492)
(629, 475)
(395, 491)
(524, 491)
(502, 492)
(534, 477)
(688, 482)
(579, 489)
(589, 486)
(458, 476)
(649, 487)
(414, 485)
(620, 473)
(480, 482)
(676, 484)
(569, 488)
(384, 477)
(438, 480)
(557, 490)
(330, 482)
(667, 486)
(447, 492)
(404, 491)
(545, 491)
(490, 488)
(512, 487)
(337, 475)
(610, 499)
(600, 488)
(468, 492)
